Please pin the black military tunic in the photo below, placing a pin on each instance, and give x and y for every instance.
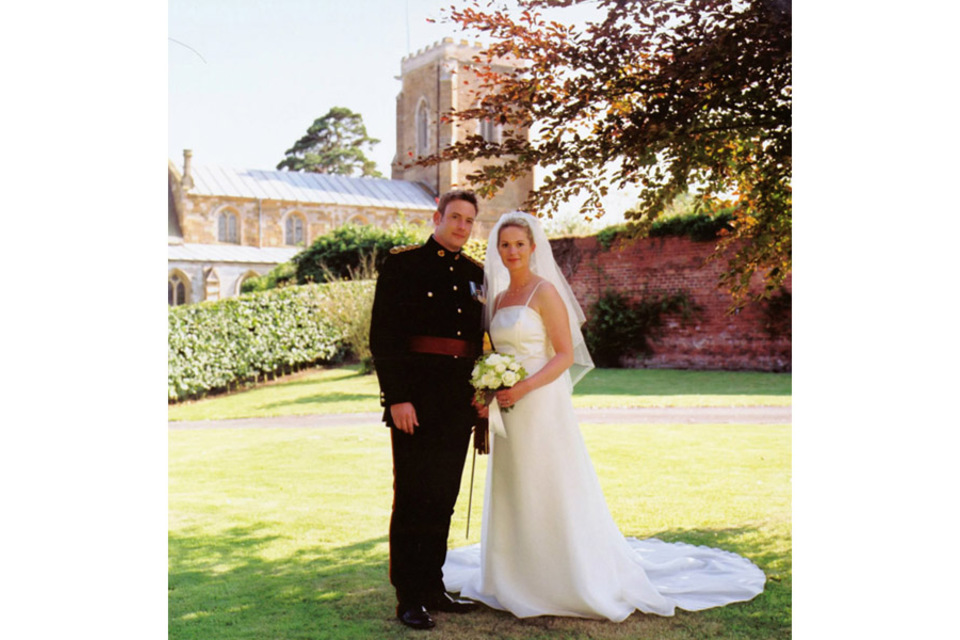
(423, 312)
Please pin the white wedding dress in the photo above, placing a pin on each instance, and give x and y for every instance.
(549, 545)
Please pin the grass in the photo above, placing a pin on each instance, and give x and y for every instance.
(343, 390)
(281, 533)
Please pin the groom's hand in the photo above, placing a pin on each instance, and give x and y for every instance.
(404, 417)
(483, 411)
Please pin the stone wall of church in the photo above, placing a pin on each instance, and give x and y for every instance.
(262, 223)
(215, 280)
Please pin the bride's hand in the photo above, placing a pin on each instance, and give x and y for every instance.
(509, 397)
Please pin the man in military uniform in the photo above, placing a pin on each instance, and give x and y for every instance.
(426, 332)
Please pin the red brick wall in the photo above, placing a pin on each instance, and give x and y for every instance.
(714, 338)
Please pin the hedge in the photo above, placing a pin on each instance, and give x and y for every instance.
(214, 346)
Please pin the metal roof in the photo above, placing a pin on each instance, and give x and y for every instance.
(230, 253)
(293, 186)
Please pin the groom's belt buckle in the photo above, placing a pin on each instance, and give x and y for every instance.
(443, 346)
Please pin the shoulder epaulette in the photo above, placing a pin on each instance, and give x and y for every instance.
(472, 259)
(406, 247)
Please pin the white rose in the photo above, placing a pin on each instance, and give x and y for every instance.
(475, 372)
(494, 359)
(513, 366)
(510, 378)
(500, 368)
(488, 381)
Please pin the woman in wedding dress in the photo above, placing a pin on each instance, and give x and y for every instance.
(549, 545)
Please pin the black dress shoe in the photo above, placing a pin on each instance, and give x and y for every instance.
(448, 604)
(416, 617)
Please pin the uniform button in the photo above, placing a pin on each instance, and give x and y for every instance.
(451, 268)
(459, 310)
(458, 333)
(441, 253)
(454, 287)
(429, 294)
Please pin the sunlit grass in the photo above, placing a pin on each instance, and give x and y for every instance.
(343, 390)
(282, 533)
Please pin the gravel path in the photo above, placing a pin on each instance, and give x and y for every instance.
(647, 415)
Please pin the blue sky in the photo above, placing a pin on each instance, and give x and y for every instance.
(246, 78)
(268, 69)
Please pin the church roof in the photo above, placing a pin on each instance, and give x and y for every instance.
(293, 186)
(230, 253)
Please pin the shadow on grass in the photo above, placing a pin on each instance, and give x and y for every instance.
(331, 375)
(224, 587)
(324, 398)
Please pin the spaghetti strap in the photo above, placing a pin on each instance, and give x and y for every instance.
(530, 297)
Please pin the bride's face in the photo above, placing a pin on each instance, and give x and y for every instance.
(515, 248)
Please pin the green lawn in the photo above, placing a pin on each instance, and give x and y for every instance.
(281, 533)
(342, 390)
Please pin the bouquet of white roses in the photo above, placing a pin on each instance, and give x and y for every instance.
(495, 371)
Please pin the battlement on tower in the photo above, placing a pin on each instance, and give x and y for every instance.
(462, 51)
(448, 49)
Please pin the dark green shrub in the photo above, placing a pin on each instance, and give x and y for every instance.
(612, 329)
(778, 314)
(618, 327)
(281, 275)
(700, 227)
(608, 235)
(337, 254)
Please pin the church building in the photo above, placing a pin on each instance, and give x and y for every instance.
(227, 225)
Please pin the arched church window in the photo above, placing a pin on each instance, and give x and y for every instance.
(293, 232)
(423, 132)
(176, 290)
(228, 227)
(490, 131)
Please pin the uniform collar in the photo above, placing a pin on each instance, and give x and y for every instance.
(434, 248)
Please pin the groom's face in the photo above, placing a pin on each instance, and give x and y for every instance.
(453, 226)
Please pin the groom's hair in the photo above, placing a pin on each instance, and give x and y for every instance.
(457, 194)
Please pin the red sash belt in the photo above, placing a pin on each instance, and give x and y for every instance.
(443, 346)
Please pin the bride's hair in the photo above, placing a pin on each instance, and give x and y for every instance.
(509, 220)
(497, 278)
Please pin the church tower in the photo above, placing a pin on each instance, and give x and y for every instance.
(434, 81)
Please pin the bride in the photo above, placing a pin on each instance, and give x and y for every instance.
(549, 545)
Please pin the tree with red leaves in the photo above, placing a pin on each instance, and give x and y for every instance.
(674, 96)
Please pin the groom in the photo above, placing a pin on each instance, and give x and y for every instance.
(425, 334)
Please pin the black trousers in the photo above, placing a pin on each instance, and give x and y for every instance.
(427, 469)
